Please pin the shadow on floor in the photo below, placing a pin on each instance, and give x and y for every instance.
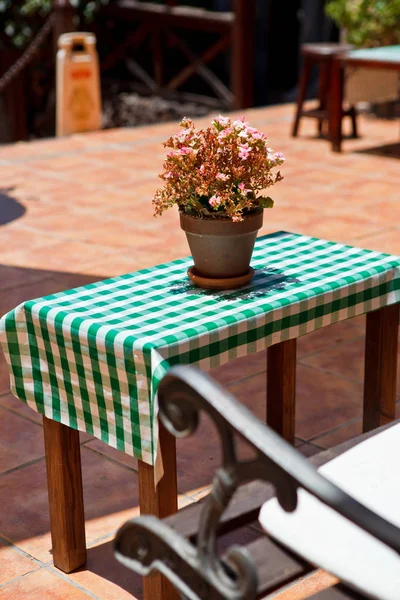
(102, 562)
(389, 150)
(10, 209)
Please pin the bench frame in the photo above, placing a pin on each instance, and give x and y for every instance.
(195, 567)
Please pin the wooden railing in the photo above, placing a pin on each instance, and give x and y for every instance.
(153, 25)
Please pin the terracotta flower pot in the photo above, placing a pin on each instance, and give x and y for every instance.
(221, 248)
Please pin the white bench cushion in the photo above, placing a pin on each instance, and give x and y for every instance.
(370, 473)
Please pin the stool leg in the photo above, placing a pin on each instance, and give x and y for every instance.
(353, 117)
(304, 78)
(336, 105)
(323, 92)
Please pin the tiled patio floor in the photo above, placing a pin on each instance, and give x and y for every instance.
(84, 213)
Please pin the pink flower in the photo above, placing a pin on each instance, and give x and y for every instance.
(223, 121)
(181, 137)
(185, 150)
(243, 188)
(222, 177)
(187, 123)
(214, 201)
(224, 133)
(227, 163)
(255, 134)
(240, 124)
(244, 151)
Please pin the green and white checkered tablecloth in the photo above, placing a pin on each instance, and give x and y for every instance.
(92, 357)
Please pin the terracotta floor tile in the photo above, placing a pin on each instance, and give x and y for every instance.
(240, 368)
(241, 536)
(308, 449)
(15, 237)
(10, 298)
(54, 256)
(339, 435)
(110, 494)
(21, 441)
(308, 586)
(201, 449)
(199, 492)
(89, 199)
(345, 229)
(115, 455)
(66, 222)
(387, 241)
(134, 260)
(388, 210)
(377, 190)
(323, 338)
(67, 281)
(292, 214)
(323, 400)
(42, 585)
(120, 235)
(4, 376)
(345, 361)
(105, 577)
(13, 563)
(62, 164)
(11, 277)
(102, 183)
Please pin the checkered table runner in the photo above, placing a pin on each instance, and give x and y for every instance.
(92, 357)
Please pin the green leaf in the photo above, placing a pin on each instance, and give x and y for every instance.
(266, 201)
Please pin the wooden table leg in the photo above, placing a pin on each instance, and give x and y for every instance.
(335, 104)
(64, 484)
(281, 388)
(160, 502)
(380, 367)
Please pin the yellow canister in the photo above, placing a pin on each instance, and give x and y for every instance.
(78, 84)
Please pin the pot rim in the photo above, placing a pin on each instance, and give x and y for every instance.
(222, 225)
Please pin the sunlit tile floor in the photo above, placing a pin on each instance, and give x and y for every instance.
(76, 210)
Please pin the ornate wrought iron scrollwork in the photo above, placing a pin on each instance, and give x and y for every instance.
(198, 571)
(276, 461)
(183, 394)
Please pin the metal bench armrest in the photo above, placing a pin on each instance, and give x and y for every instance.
(183, 394)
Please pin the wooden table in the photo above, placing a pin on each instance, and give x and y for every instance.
(301, 284)
(387, 57)
(63, 449)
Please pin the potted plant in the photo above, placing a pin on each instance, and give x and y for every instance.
(216, 177)
(368, 24)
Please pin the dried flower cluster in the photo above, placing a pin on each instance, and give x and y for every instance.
(219, 171)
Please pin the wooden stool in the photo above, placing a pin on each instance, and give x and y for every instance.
(320, 54)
